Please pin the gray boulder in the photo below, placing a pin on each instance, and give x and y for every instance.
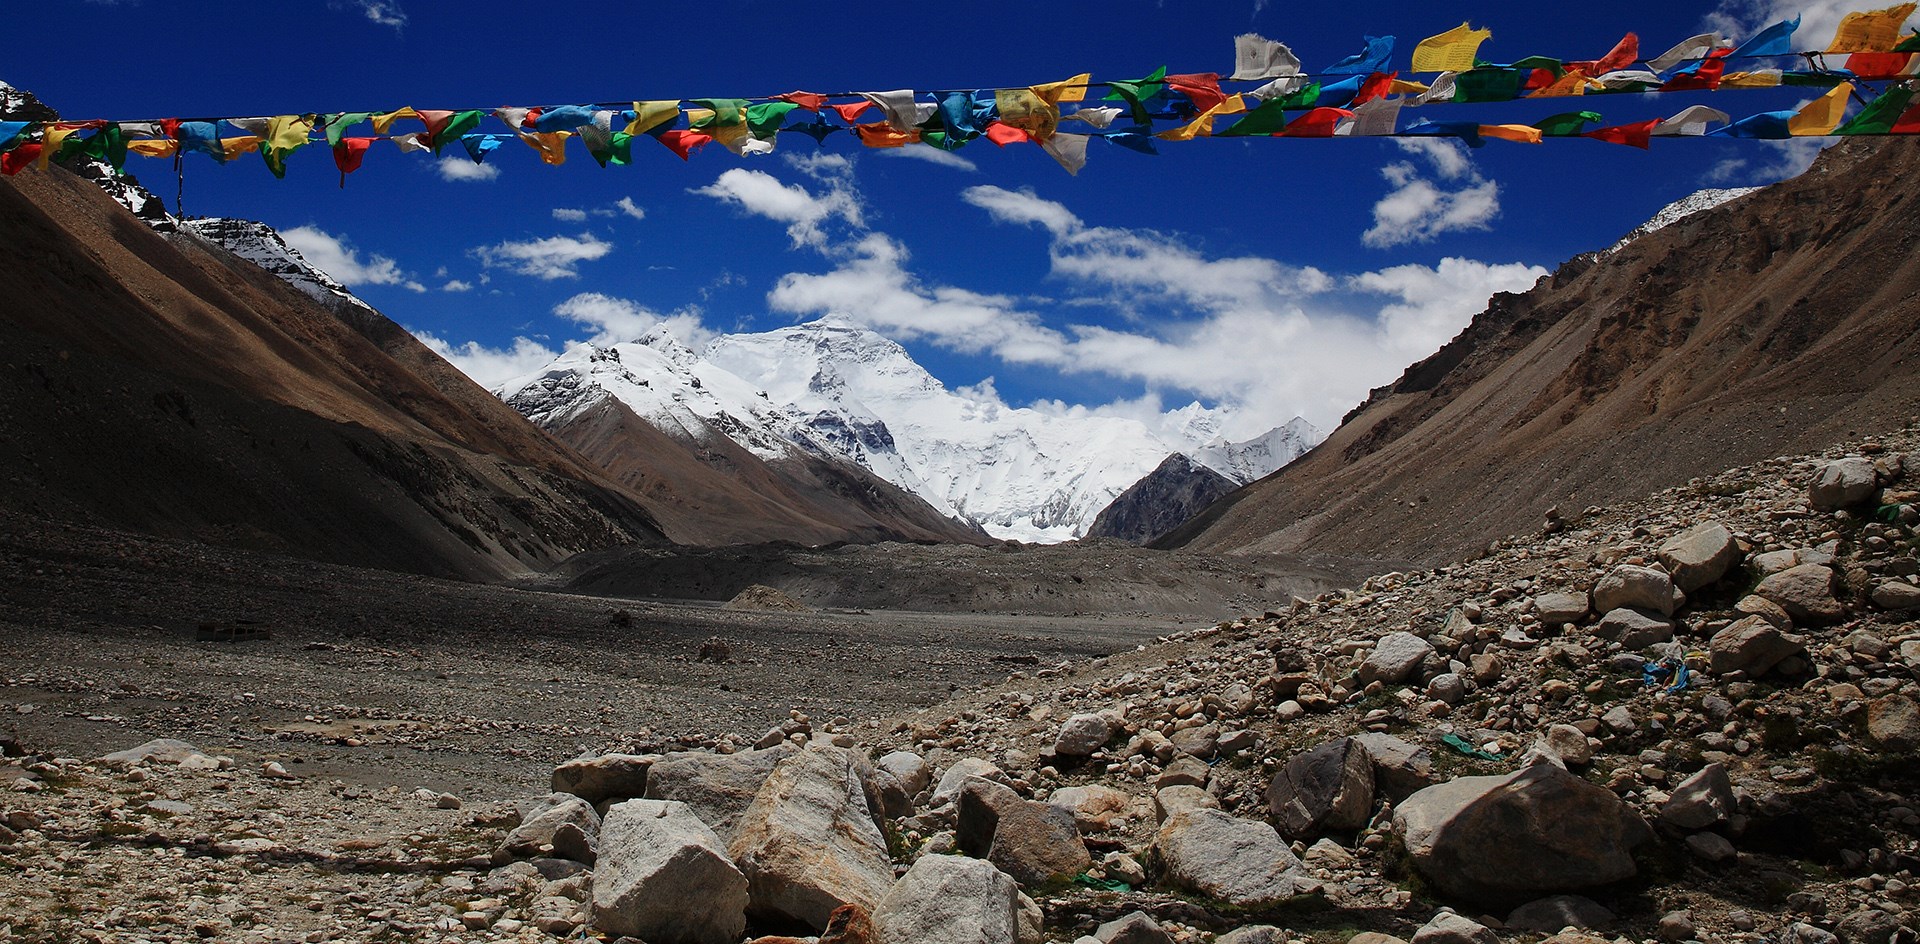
(950, 900)
(1634, 629)
(1843, 483)
(1240, 862)
(560, 822)
(1400, 769)
(1082, 735)
(808, 844)
(1895, 595)
(1700, 556)
(1555, 914)
(607, 777)
(1169, 802)
(1753, 646)
(1136, 928)
(1450, 928)
(156, 751)
(1702, 801)
(1033, 842)
(1805, 592)
(719, 787)
(1328, 789)
(1394, 658)
(1869, 926)
(1509, 839)
(664, 877)
(1555, 608)
(1569, 744)
(955, 777)
(909, 768)
(1265, 934)
(1093, 807)
(1893, 723)
(1639, 588)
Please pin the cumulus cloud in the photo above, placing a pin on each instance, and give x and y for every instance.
(626, 206)
(1779, 160)
(383, 12)
(335, 256)
(457, 285)
(1419, 210)
(804, 211)
(490, 366)
(619, 320)
(461, 170)
(1819, 19)
(555, 257)
(566, 215)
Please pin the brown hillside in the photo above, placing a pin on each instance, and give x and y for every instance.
(1782, 322)
(159, 384)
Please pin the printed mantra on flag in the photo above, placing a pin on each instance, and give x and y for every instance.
(1361, 95)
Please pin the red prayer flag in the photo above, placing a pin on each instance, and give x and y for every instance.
(1878, 65)
(684, 143)
(851, 111)
(170, 127)
(808, 100)
(19, 158)
(1909, 123)
(1004, 134)
(1318, 123)
(1625, 53)
(1634, 135)
(1376, 86)
(1539, 79)
(348, 154)
(1706, 78)
(1202, 87)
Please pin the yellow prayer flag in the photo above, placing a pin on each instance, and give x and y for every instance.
(286, 132)
(1202, 127)
(1523, 134)
(552, 145)
(1451, 51)
(154, 148)
(1821, 115)
(51, 140)
(1021, 108)
(1407, 87)
(651, 115)
(1072, 90)
(238, 146)
(1878, 31)
(1573, 83)
(1763, 78)
(382, 122)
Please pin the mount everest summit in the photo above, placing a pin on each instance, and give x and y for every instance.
(832, 390)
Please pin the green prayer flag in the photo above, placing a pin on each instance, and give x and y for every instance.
(727, 112)
(1881, 114)
(1488, 85)
(460, 125)
(1269, 118)
(765, 119)
(337, 125)
(1555, 66)
(1567, 125)
(1135, 91)
(1811, 79)
(108, 144)
(1910, 44)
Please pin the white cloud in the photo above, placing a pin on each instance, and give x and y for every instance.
(1819, 19)
(819, 165)
(383, 12)
(931, 155)
(555, 257)
(462, 170)
(627, 206)
(1779, 161)
(488, 366)
(619, 320)
(337, 257)
(804, 211)
(1417, 210)
(456, 285)
(566, 215)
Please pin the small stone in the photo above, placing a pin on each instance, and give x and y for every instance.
(1893, 723)
(1136, 928)
(1631, 587)
(1752, 646)
(1180, 798)
(1082, 735)
(1676, 927)
(1712, 847)
(1450, 928)
(1805, 592)
(1554, 608)
(1843, 483)
(1570, 745)
(1447, 687)
(1551, 915)
(1702, 801)
(1895, 595)
(1394, 658)
(1634, 629)
(1700, 556)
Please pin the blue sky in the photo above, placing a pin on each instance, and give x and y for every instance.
(1272, 277)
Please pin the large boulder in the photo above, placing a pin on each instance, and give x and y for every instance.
(1700, 556)
(1805, 592)
(1135, 928)
(1843, 483)
(955, 777)
(1634, 629)
(719, 787)
(1639, 588)
(808, 843)
(1033, 842)
(1557, 608)
(560, 825)
(1505, 840)
(1555, 914)
(950, 900)
(664, 877)
(607, 777)
(1450, 928)
(909, 768)
(1893, 723)
(1702, 801)
(156, 751)
(1394, 658)
(1094, 807)
(1328, 789)
(1753, 646)
(1082, 735)
(1241, 862)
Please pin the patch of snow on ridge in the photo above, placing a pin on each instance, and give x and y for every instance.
(262, 245)
(1679, 210)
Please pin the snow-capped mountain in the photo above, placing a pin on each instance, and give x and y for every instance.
(262, 245)
(1259, 457)
(1017, 472)
(1680, 209)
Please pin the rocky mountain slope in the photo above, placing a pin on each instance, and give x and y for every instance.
(1779, 321)
(160, 383)
(1167, 498)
